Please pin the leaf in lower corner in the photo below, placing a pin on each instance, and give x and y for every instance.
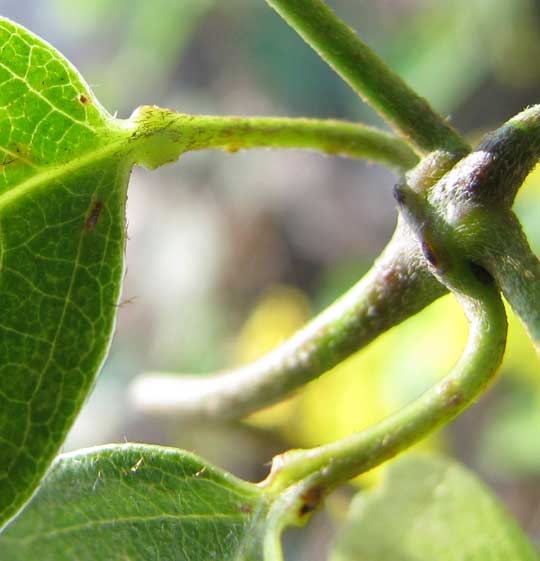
(63, 183)
(428, 509)
(138, 503)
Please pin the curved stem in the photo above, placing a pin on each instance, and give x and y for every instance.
(518, 275)
(163, 135)
(492, 174)
(339, 461)
(486, 183)
(505, 252)
(479, 296)
(398, 286)
(333, 464)
(369, 76)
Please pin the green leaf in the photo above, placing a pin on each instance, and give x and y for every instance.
(430, 509)
(62, 233)
(138, 503)
(64, 168)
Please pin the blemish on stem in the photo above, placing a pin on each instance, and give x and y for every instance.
(455, 400)
(429, 254)
(310, 500)
(480, 273)
(454, 397)
(399, 193)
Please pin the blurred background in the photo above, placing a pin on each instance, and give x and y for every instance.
(230, 254)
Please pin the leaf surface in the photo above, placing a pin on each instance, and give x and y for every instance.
(431, 509)
(63, 176)
(138, 503)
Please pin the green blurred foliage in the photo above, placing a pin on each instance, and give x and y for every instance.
(152, 37)
(430, 508)
(449, 47)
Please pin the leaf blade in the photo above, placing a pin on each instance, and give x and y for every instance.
(63, 177)
(138, 502)
(431, 508)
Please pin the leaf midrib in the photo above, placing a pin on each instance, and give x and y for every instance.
(120, 521)
(56, 172)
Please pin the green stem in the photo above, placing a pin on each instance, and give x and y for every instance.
(369, 76)
(492, 174)
(398, 286)
(504, 251)
(516, 270)
(164, 134)
(335, 463)
(485, 183)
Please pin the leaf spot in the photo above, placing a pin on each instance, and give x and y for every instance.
(93, 217)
